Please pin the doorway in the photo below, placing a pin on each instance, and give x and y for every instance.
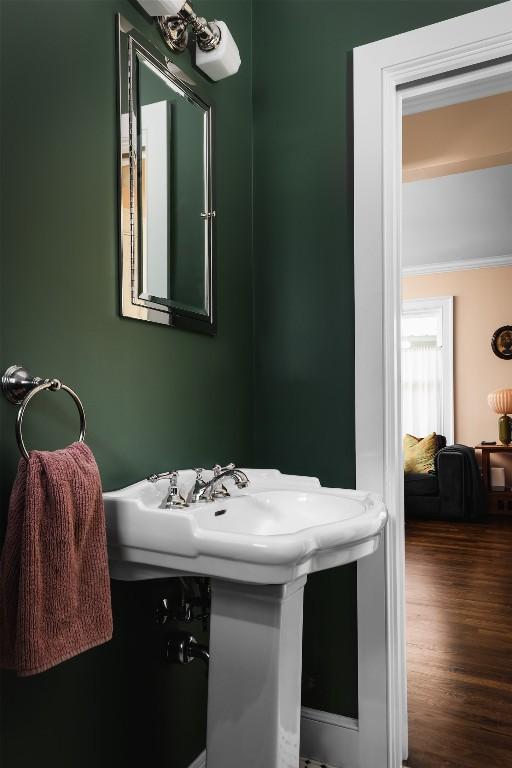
(456, 239)
(458, 47)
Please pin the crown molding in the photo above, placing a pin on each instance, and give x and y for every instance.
(457, 265)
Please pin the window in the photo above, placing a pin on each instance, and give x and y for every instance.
(427, 367)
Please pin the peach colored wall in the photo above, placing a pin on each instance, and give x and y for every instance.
(457, 138)
(482, 302)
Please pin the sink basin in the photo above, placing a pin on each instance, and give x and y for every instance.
(258, 547)
(277, 529)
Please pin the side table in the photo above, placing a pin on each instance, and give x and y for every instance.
(497, 501)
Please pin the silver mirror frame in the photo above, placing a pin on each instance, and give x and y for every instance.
(130, 43)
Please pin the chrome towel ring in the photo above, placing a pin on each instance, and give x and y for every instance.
(19, 387)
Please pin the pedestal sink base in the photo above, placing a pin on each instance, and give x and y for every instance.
(255, 675)
(257, 546)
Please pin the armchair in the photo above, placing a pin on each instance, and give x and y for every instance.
(453, 491)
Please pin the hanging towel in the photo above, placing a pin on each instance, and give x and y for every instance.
(54, 582)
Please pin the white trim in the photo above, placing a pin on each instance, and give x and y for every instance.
(457, 266)
(379, 68)
(331, 739)
(340, 721)
(443, 305)
(316, 740)
(200, 761)
(455, 90)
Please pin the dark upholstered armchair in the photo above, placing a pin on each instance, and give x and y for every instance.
(453, 491)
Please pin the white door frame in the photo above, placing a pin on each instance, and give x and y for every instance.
(443, 306)
(379, 69)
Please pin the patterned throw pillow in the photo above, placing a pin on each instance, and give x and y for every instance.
(419, 453)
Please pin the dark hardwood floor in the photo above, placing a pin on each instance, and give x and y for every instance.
(459, 643)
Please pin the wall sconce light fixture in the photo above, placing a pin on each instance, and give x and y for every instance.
(216, 51)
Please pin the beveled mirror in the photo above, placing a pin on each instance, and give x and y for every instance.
(166, 208)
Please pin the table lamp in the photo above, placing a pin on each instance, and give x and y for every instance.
(500, 401)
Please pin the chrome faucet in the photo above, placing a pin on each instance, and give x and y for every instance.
(200, 490)
(214, 488)
(173, 499)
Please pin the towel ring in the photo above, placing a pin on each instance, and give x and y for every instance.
(19, 388)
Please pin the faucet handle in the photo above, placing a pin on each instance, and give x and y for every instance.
(173, 484)
(217, 470)
(154, 478)
(174, 499)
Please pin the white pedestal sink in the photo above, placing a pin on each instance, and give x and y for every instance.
(258, 546)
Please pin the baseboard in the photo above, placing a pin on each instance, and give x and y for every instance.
(305, 763)
(330, 739)
(200, 761)
(324, 736)
(340, 721)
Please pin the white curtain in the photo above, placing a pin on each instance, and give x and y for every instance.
(421, 387)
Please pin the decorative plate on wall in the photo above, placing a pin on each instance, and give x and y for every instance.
(502, 342)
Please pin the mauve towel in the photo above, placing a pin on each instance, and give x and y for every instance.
(54, 582)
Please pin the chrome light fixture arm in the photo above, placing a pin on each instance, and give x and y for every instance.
(216, 53)
(174, 30)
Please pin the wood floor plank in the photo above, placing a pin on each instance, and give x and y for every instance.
(459, 643)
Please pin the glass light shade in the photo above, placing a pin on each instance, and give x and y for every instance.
(500, 401)
(162, 7)
(224, 60)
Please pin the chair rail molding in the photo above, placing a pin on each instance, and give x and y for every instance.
(423, 57)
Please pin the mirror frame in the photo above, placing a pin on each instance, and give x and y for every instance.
(131, 43)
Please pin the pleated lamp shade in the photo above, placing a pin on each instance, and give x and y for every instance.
(500, 401)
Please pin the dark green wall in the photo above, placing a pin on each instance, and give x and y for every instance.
(156, 398)
(303, 257)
